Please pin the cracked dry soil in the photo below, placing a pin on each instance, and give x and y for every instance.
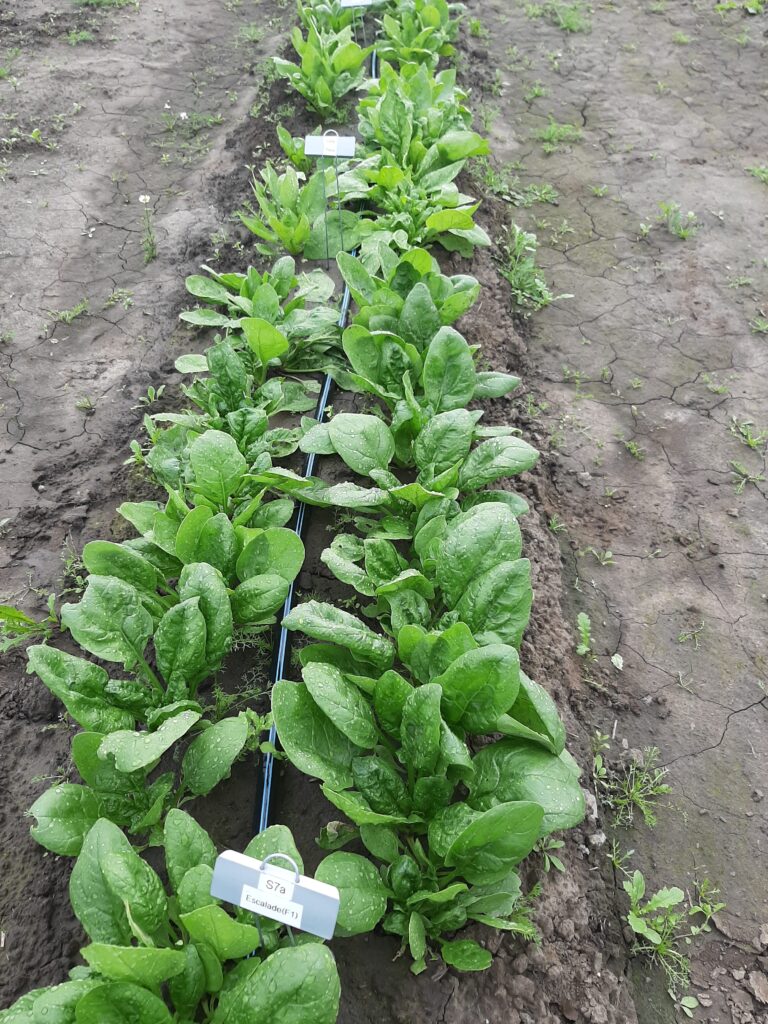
(654, 332)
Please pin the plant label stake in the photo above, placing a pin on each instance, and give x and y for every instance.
(331, 144)
(358, 15)
(280, 894)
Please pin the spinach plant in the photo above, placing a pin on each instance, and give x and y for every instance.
(390, 748)
(296, 217)
(422, 31)
(331, 65)
(266, 324)
(411, 104)
(178, 955)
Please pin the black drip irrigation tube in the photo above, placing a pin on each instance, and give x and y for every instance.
(264, 782)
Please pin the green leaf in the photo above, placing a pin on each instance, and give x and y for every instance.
(496, 841)
(513, 770)
(389, 697)
(180, 644)
(229, 939)
(188, 988)
(479, 686)
(191, 363)
(358, 811)
(496, 458)
(363, 894)
(209, 758)
(466, 955)
(449, 372)
(295, 985)
(187, 844)
(274, 550)
(64, 814)
(134, 882)
(96, 906)
(205, 318)
(195, 889)
(342, 702)
(420, 729)
(217, 465)
(380, 841)
(497, 605)
(79, 685)
(311, 741)
(361, 284)
(534, 716)
(121, 1003)
(363, 442)
(208, 538)
(264, 339)
(206, 583)
(110, 621)
(446, 439)
(205, 288)
(417, 936)
(259, 598)
(56, 1005)
(103, 558)
(274, 839)
(494, 385)
(134, 750)
(326, 622)
(419, 319)
(475, 541)
(147, 967)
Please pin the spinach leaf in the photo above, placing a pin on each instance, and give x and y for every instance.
(342, 702)
(496, 841)
(292, 986)
(324, 622)
(363, 894)
(513, 770)
(309, 738)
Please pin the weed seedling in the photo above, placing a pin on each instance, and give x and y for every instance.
(584, 626)
(75, 37)
(148, 239)
(555, 525)
(759, 324)
(86, 405)
(153, 395)
(663, 923)
(119, 297)
(550, 860)
(691, 635)
(517, 265)
(677, 224)
(746, 432)
(760, 172)
(16, 627)
(66, 316)
(681, 39)
(634, 449)
(599, 190)
(556, 135)
(535, 90)
(742, 477)
(477, 30)
(635, 787)
(5, 69)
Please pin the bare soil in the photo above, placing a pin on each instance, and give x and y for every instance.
(654, 348)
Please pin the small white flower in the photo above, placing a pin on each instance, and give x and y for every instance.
(144, 198)
(183, 116)
(167, 106)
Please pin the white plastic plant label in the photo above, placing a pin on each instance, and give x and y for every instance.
(330, 144)
(283, 894)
